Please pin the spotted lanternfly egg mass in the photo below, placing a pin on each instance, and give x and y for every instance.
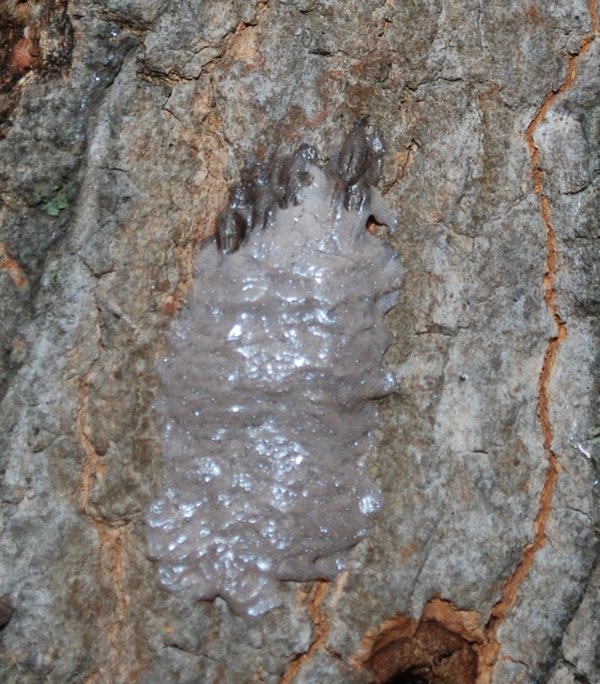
(265, 392)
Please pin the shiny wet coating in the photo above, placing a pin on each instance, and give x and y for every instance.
(265, 398)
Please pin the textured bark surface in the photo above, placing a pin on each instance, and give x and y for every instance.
(121, 123)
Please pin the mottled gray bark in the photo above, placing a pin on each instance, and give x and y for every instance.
(121, 123)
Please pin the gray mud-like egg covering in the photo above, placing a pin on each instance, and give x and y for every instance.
(264, 401)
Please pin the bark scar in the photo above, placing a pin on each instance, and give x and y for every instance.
(112, 542)
(490, 650)
(13, 268)
(321, 625)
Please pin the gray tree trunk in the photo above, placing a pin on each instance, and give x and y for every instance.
(121, 124)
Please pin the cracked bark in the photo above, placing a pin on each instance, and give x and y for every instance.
(116, 148)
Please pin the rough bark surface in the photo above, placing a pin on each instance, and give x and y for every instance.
(121, 123)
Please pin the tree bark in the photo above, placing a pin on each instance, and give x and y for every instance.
(122, 122)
